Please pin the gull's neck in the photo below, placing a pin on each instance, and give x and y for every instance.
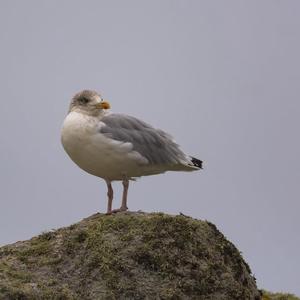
(96, 113)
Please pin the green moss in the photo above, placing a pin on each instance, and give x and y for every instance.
(39, 246)
(13, 274)
(47, 236)
(36, 293)
(278, 296)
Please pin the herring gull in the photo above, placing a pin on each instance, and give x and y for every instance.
(117, 146)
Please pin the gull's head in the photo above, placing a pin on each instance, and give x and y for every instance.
(88, 102)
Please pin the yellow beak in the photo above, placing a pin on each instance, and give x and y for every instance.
(103, 105)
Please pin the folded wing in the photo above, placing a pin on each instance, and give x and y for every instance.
(155, 145)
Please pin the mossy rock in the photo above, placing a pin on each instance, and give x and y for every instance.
(278, 296)
(127, 256)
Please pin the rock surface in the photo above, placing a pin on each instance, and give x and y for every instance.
(131, 255)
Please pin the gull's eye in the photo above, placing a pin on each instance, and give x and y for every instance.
(83, 100)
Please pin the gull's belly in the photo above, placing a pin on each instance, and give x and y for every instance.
(102, 162)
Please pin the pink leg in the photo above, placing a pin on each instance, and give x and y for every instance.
(125, 183)
(123, 207)
(110, 195)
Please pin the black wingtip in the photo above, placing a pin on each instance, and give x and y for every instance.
(196, 162)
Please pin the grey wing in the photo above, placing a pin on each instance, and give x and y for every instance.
(157, 146)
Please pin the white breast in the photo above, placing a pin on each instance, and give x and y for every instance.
(97, 154)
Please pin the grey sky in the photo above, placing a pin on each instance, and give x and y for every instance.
(221, 76)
